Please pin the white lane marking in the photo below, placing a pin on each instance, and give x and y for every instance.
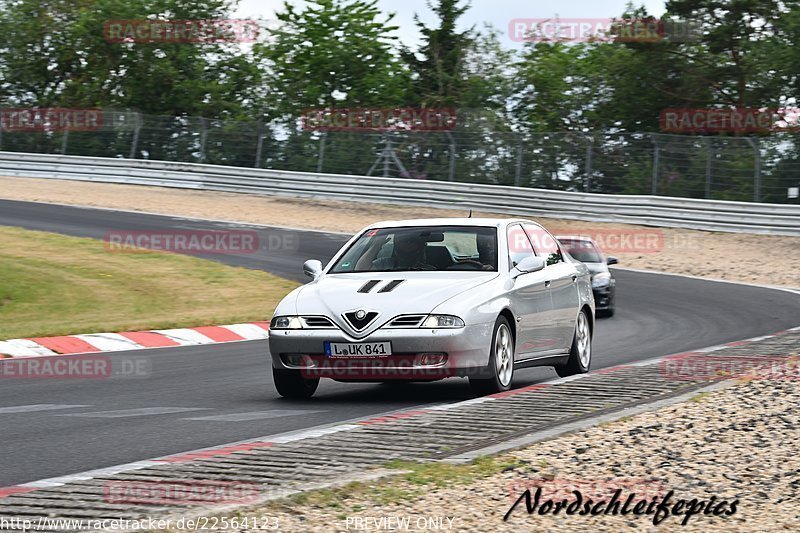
(38, 407)
(715, 280)
(185, 336)
(24, 348)
(712, 348)
(158, 462)
(109, 342)
(248, 331)
(89, 474)
(141, 411)
(762, 338)
(446, 406)
(648, 362)
(255, 415)
(566, 379)
(311, 433)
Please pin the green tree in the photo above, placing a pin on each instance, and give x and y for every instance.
(439, 66)
(329, 54)
(332, 53)
(55, 53)
(729, 58)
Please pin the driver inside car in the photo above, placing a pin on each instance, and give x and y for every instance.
(408, 253)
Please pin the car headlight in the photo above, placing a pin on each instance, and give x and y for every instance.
(601, 279)
(442, 321)
(286, 322)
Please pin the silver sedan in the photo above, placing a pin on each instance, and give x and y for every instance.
(422, 300)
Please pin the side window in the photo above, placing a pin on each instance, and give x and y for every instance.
(544, 244)
(519, 246)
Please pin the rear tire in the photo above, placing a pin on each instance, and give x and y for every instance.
(501, 362)
(292, 384)
(580, 354)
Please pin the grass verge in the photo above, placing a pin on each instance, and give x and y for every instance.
(56, 285)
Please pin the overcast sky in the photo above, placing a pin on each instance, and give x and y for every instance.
(496, 12)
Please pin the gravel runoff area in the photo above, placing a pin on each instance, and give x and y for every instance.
(734, 449)
(729, 256)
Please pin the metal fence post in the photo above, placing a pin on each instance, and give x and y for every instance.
(656, 150)
(708, 167)
(203, 134)
(321, 157)
(588, 170)
(386, 159)
(137, 127)
(757, 177)
(259, 143)
(64, 141)
(451, 172)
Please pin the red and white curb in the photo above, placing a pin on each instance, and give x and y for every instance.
(132, 340)
(265, 442)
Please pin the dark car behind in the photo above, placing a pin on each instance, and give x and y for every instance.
(586, 251)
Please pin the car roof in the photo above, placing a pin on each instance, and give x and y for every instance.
(447, 222)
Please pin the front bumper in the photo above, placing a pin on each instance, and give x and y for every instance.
(466, 350)
(603, 297)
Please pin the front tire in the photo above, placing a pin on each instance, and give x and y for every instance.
(580, 354)
(501, 362)
(291, 384)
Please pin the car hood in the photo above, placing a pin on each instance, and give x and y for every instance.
(596, 268)
(417, 293)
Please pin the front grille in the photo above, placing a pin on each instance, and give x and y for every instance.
(360, 319)
(320, 322)
(407, 321)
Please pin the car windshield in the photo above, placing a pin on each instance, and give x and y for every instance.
(421, 248)
(583, 251)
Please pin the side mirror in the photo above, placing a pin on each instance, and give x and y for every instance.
(312, 268)
(611, 260)
(528, 265)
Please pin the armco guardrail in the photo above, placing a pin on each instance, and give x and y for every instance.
(709, 215)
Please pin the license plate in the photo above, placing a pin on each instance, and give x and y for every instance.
(358, 349)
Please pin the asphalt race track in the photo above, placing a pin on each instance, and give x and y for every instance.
(209, 395)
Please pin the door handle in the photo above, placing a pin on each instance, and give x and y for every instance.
(547, 283)
(574, 278)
